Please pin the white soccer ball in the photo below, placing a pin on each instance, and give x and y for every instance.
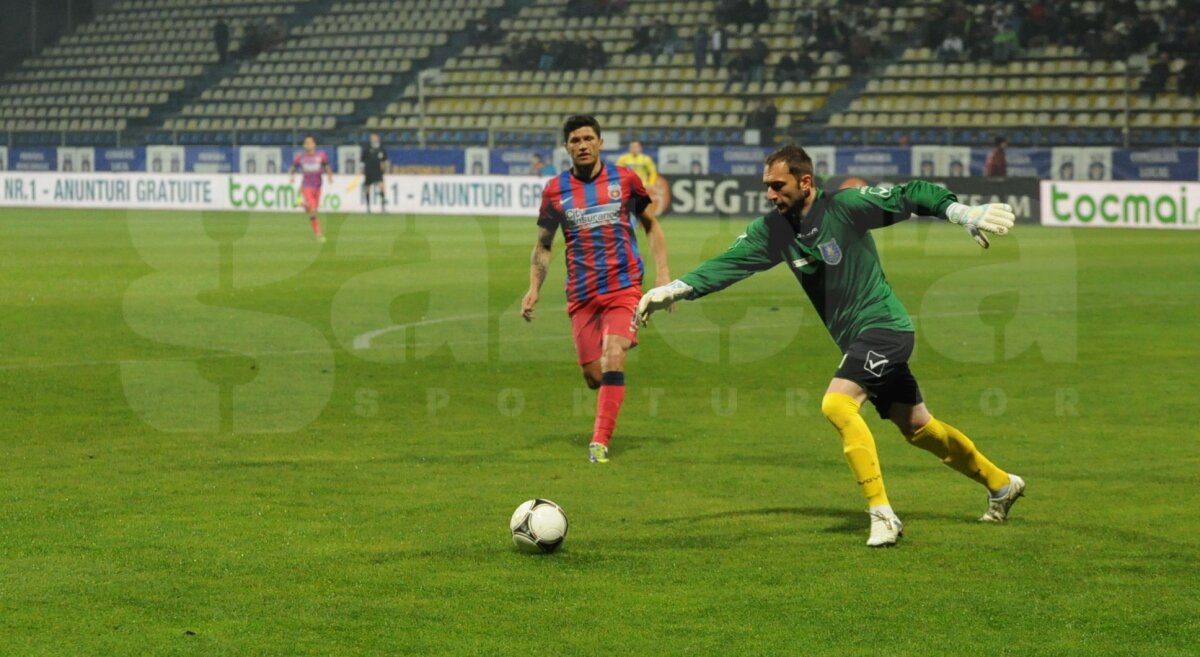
(538, 526)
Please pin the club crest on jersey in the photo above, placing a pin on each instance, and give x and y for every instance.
(831, 253)
(614, 191)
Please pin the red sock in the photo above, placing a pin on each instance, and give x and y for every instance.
(608, 406)
(316, 225)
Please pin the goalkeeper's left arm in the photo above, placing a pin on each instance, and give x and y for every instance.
(875, 207)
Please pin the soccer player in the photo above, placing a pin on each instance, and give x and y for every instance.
(311, 163)
(374, 158)
(641, 164)
(826, 242)
(597, 207)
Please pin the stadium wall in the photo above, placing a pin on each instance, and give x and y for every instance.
(1065, 163)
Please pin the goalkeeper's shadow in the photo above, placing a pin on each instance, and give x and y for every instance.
(848, 520)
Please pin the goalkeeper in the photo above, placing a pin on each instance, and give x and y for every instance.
(825, 241)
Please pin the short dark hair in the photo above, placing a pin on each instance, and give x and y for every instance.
(1000, 139)
(578, 121)
(309, 136)
(798, 161)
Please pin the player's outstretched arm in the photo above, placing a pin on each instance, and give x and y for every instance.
(663, 296)
(753, 251)
(658, 246)
(994, 218)
(539, 266)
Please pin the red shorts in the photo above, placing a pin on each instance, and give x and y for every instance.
(606, 314)
(312, 198)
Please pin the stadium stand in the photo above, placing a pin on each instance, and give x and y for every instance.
(1048, 94)
(313, 81)
(657, 96)
(505, 72)
(120, 68)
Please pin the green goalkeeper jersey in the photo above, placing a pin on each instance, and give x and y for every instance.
(832, 255)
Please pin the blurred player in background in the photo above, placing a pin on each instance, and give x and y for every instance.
(597, 207)
(374, 161)
(825, 241)
(540, 167)
(642, 164)
(311, 164)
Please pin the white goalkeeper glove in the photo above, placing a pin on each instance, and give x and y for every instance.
(995, 218)
(661, 297)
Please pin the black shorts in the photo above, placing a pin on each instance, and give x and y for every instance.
(877, 360)
(372, 178)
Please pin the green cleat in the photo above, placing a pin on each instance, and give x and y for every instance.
(598, 453)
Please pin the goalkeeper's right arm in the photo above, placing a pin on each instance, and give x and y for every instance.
(751, 253)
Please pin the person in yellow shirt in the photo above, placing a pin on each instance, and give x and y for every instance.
(641, 164)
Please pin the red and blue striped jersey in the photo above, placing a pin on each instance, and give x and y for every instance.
(598, 218)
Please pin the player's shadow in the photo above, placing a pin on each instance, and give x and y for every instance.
(625, 444)
(846, 520)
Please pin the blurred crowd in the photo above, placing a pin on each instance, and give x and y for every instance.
(532, 54)
(1111, 30)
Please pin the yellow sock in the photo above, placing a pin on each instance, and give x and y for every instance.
(858, 444)
(958, 452)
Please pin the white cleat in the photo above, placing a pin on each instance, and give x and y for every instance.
(998, 507)
(886, 529)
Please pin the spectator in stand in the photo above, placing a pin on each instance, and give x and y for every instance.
(486, 32)
(1189, 78)
(756, 58)
(251, 41)
(763, 119)
(642, 39)
(739, 71)
(664, 38)
(221, 40)
(717, 45)
(531, 54)
(786, 70)
(758, 12)
(1155, 81)
(859, 51)
(596, 57)
(700, 41)
(804, 19)
(996, 164)
(795, 68)
(273, 33)
(733, 12)
(951, 49)
(1004, 45)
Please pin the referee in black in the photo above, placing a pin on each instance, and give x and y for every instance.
(374, 158)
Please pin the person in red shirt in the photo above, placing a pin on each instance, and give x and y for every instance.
(311, 163)
(996, 164)
(597, 206)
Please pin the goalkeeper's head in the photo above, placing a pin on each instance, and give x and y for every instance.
(788, 175)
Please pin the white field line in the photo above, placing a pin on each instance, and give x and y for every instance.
(369, 336)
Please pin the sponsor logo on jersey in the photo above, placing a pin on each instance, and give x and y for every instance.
(600, 215)
(831, 253)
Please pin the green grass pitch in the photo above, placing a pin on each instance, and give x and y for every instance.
(220, 438)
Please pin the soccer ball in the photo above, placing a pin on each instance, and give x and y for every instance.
(538, 526)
